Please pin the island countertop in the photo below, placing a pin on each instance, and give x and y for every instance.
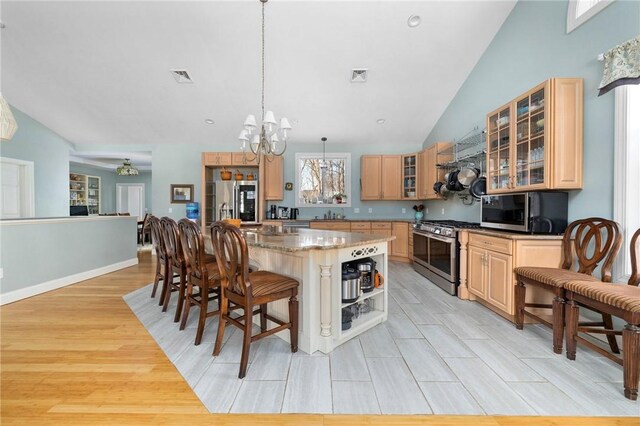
(301, 239)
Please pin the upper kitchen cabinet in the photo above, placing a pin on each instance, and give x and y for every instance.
(273, 178)
(428, 171)
(535, 141)
(381, 177)
(410, 176)
(216, 158)
(240, 159)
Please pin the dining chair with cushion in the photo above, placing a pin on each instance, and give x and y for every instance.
(620, 300)
(144, 229)
(586, 244)
(162, 264)
(203, 278)
(246, 289)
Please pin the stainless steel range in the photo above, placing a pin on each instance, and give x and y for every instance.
(436, 252)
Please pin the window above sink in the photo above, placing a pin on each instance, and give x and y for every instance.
(323, 179)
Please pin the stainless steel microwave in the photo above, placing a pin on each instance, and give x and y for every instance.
(530, 212)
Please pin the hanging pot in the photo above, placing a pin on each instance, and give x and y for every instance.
(478, 187)
(467, 175)
(437, 186)
(452, 182)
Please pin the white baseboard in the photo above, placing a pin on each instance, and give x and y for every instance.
(34, 290)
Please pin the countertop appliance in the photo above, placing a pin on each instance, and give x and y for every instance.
(294, 213)
(436, 252)
(283, 212)
(350, 285)
(235, 200)
(367, 268)
(531, 212)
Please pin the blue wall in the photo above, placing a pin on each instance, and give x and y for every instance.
(532, 46)
(50, 155)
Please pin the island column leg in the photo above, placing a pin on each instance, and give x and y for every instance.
(325, 300)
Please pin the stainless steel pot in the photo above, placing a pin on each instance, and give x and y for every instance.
(467, 175)
(350, 285)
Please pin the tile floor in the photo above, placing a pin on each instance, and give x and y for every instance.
(436, 354)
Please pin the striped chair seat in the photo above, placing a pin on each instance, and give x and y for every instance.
(552, 276)
(622, 296)
(264, 282)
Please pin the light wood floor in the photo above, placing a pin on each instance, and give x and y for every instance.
(78, 355)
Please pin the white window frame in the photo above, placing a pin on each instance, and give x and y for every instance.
(27, 185)
(346, 156)
(626, 178)
(574, 21)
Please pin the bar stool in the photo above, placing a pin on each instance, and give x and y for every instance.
(247, 289)
(622, 301)
(162, 264)
(592, 240)
(200, 274)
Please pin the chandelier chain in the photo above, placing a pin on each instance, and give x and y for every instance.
(263, 3)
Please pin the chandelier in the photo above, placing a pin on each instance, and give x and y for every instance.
(268, 140)
(8, 125)
(127, 169)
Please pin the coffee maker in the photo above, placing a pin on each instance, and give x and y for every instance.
(283, 212)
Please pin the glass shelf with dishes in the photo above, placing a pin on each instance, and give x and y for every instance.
(409, 176)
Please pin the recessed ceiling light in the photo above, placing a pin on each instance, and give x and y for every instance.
(380, 120)
(414, 21)
(209, 121)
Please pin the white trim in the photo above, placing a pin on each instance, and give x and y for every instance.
(626, 196)
(36, 289)
(27, 189)
(63, 219)
(574, 22)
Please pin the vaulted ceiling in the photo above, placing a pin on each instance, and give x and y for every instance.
(97, 72)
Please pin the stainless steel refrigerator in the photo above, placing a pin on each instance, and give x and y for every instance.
(236, 200)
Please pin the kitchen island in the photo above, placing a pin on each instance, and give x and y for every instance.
(315, 258)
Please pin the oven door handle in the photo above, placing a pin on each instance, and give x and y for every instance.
(439, 238)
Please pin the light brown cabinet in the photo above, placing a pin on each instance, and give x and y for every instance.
(217, 158)
(410, 176)
(428, 171)
(240, 159)
(273, 179)
(489, 275)
(229, 159)
(487, 264)
(534, 142)
(331, 225)
(400, 246)
(361, 227)
(381, 177)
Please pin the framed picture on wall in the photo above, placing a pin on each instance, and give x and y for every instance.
(181, 193)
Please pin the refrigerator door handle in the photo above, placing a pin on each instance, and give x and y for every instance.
(236, 201)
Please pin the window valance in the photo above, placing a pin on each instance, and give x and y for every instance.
(621, 66)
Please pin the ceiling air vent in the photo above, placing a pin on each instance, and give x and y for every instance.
(359, 75)
(181, 76)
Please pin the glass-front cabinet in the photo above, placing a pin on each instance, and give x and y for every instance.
(530, 139)
(499, 148)
(535, 141)
(409, 176)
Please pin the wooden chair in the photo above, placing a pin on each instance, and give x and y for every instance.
(592, 240)
(144, 229)
(247, 289)
(162, 264)
(622, 301)
(177, 263)
(200, 274)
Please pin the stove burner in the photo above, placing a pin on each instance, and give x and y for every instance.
(445, 227)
